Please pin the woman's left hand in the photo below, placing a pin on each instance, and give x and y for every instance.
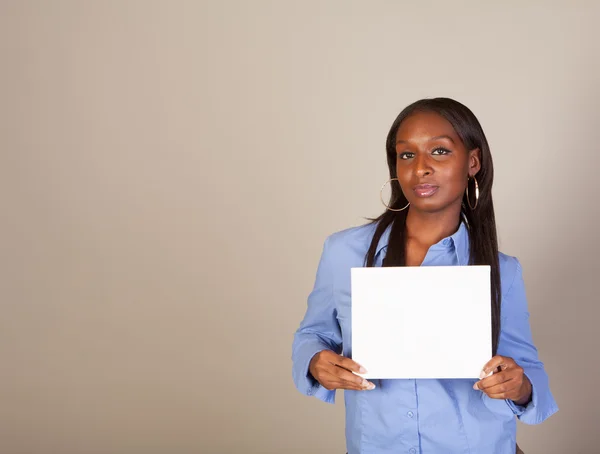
(507, 382)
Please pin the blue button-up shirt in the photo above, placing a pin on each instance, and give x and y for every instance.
(423, 415)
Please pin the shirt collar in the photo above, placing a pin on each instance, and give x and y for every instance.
(459, 241)
(383, 240)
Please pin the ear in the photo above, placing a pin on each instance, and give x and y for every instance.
(474, 162)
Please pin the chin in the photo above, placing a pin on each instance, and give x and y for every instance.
(430, 206)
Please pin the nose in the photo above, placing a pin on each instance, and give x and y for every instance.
(422, 166)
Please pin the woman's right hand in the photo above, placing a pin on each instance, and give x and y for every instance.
(333, 371)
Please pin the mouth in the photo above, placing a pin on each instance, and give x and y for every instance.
(425, 190)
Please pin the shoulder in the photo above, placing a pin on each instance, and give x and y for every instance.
(353, 235)
(508, 263)
(352, 238)
(350, 245)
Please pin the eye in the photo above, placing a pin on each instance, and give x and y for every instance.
(440, 151)
(406, 155)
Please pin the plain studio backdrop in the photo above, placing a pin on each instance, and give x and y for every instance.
(171, 169)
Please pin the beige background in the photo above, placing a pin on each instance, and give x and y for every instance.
(170, 170)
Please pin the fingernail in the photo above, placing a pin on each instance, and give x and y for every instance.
(483, 374)
(362, 370)
(371, 386)
(475, 386)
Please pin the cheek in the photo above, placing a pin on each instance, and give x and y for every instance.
(454, 180)
(403, 174)
(404, 167)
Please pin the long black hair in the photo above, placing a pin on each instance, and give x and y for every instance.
(481, 222)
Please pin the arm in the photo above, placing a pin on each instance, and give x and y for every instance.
(516, 342)
(318, 331)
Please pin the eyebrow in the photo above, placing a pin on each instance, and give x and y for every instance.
(444, 136)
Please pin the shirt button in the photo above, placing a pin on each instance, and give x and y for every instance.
(413, 451)
(410, 414)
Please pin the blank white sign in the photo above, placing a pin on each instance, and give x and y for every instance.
(421, 322)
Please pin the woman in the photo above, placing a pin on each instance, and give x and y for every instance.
(440, 213)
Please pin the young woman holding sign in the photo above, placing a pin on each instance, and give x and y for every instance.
(440, 213)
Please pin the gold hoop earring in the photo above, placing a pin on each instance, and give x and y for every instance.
(476, 193)
(381, 197)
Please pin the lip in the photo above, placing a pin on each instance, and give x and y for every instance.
(425, 190)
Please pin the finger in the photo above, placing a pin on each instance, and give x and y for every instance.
(351, 379)
(331, 358)
(347, 376)
(350, 365)
(340, 377)
(347, 380)
(364, 386)
(496, 362)
(505, 388)
(355, 379)
(328, 367)
(502, 396)
(332, 381)
(496, 379)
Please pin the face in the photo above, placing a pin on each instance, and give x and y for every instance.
(432, 163)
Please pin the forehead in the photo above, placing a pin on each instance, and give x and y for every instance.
(425, 125)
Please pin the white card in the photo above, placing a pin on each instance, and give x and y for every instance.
(421, 322)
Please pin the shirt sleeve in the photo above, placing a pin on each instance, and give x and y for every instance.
(318, 331)
(516, 342)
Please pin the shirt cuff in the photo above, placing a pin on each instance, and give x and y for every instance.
(305, 382)
(542, 404)
(518, 410)
(323, 394)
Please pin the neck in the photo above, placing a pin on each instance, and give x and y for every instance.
(429, 228)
